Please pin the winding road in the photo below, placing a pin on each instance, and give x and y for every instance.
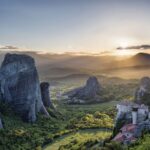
(65, 139)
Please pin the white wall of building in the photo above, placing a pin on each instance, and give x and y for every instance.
(134, 117)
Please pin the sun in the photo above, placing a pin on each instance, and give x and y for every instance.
(124, 41)
(124, 44)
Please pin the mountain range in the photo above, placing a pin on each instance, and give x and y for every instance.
(62, 65)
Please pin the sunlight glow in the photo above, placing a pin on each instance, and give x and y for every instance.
(124, 42)
(124, 52)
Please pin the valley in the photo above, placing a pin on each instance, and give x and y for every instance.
(69, 123)
(71, 117)
(74, 75)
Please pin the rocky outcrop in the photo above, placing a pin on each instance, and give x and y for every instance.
(19, 86)
(1, 125)
(91, 92)
(142, 94)
(46, 95)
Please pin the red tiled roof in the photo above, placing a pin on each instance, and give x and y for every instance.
(128, 128)
(119, 137)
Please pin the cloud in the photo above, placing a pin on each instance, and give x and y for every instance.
(138, 47)
(9, 47)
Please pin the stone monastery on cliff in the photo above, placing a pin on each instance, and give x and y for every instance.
(136, 118)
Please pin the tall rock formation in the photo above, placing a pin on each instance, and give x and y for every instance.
(91, 92)
(19, 86)
(46, 95)
(142, 94)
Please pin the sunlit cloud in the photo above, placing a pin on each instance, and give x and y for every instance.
(9, 47)
(13, 48)
(137, 47)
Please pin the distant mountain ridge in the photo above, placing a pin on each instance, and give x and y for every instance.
(140, 59)
(60, 65)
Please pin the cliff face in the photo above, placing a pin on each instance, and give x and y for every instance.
(46, 94)
(142, 94)
(19, 83)
(90, 92)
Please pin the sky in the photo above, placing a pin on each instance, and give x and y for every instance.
(74, 25)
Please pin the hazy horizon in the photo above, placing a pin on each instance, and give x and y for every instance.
(84, 26)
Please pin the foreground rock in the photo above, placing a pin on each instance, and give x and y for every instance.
(20, 86)
(142, 94)
(46, 94)
(91, 92)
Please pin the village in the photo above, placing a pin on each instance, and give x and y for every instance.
(136, 121)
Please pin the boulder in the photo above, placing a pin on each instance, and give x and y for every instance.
(45, 88)
(90, 92)
(142, 94)
(19, 86)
